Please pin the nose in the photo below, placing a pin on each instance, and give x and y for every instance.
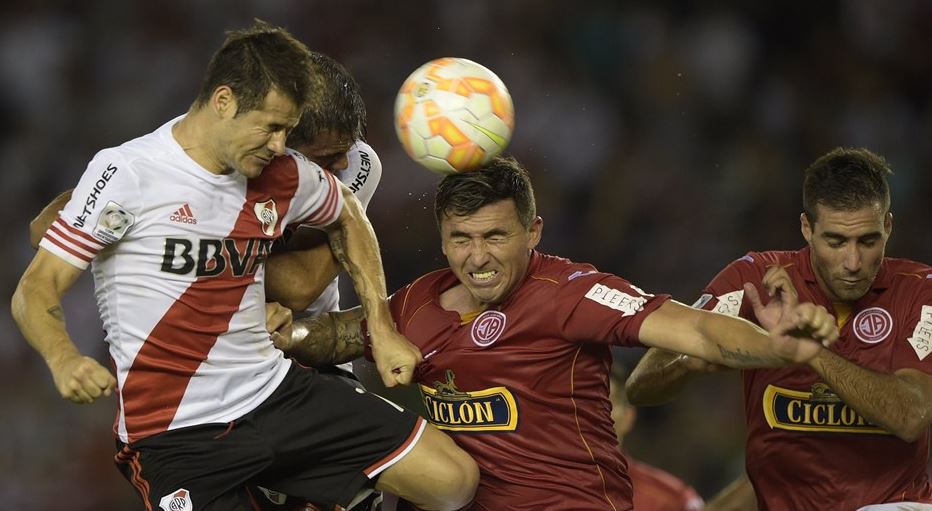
(852, 260)
(277, 142)
(478, 253)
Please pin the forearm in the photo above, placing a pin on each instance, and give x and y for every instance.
(735, 342)
(38, 314)
(296, 278)
(895, 402)
(331, 338)
(658, 377)
(355, 246)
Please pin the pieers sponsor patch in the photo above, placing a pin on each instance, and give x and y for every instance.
(113, 223)
(492, 409)
(615, 299)
(730, 303)
(921, 340)
(820, 410)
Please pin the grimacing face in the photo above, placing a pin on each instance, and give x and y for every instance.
(489, 250)
(846, 248)
(249, 141)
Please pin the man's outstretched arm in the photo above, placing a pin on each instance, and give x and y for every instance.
(331, 338)
(354, 245)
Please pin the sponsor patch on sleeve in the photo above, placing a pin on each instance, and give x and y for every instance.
(704, 299)
(615, 299)
(730, 303)
(113, 223)
(921, 340)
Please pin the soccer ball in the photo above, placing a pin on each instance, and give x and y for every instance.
(453, 115)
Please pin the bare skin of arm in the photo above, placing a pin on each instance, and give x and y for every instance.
(737, 496)
(354, 245)
(735, 342)
(298, 275)
(660, 374)
(900, 403)
(331, 338)
(36, 308)
(44, 219)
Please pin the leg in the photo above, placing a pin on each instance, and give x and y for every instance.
(435, 475)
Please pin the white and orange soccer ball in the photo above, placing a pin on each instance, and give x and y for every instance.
(453, 115)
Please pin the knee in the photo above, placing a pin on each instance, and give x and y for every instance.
(462, 479)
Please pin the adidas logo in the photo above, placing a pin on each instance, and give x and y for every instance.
(184, 215)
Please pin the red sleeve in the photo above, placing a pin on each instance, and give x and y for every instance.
(725, 293)
(914, 351)
(603, 308)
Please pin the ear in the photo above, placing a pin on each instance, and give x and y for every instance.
(888, 223)
(223, 101)
(805, 227)
(536, 229)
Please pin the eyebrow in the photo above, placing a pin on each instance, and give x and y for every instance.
(839, 236)
(486, 234)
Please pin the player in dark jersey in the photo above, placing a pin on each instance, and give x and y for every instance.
(851, 427)
(516, 347)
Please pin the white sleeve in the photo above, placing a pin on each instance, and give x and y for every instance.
(103, 208)
(318, 200)
(363, 172)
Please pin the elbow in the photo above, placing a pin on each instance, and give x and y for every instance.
(913, 427)
(36, 232)
(296, 301)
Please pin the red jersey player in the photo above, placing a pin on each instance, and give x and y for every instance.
(851, 428)
(516, 347)
(654, 489)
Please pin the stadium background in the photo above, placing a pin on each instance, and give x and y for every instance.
(664, 138)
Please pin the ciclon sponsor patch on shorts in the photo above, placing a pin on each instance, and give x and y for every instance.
(921, 340)
(820, 409)
(615, 299)
(730, 303)
(488, 327)
(178, 500)
(113, 223)
(872, 325)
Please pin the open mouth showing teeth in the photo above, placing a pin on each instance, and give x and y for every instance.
(483, 275)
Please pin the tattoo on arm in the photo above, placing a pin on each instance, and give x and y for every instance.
(338, 247)
(741, 358)
(331, 338)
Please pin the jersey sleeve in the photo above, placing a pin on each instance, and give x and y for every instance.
(603, 308)
(103, 208)
(363, 172)
(318, 200)
(915, 350)
(725, 293)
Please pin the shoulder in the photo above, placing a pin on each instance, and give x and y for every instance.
(421, 290)
(558, 270)
(908, 278)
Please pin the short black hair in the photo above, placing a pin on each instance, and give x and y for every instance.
(501, 179)
(334, 103)
(846, 179)
(254, 61)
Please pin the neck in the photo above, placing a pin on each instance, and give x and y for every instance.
(191, 133)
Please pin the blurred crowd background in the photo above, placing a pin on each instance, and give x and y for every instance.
(665, 139)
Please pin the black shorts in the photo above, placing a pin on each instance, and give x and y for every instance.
(315, 438)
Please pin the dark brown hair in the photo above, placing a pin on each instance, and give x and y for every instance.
(846, 179)
(501, 179)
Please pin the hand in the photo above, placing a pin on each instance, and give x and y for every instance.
(782, 294)
(81, 379)
(278, 322)
(803, 331)
(395, 357)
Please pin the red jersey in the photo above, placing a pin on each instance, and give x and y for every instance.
(657, 490)
(523, 387)
(806, 448)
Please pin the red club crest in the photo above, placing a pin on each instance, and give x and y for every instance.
(872, 325)
(487, 328)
